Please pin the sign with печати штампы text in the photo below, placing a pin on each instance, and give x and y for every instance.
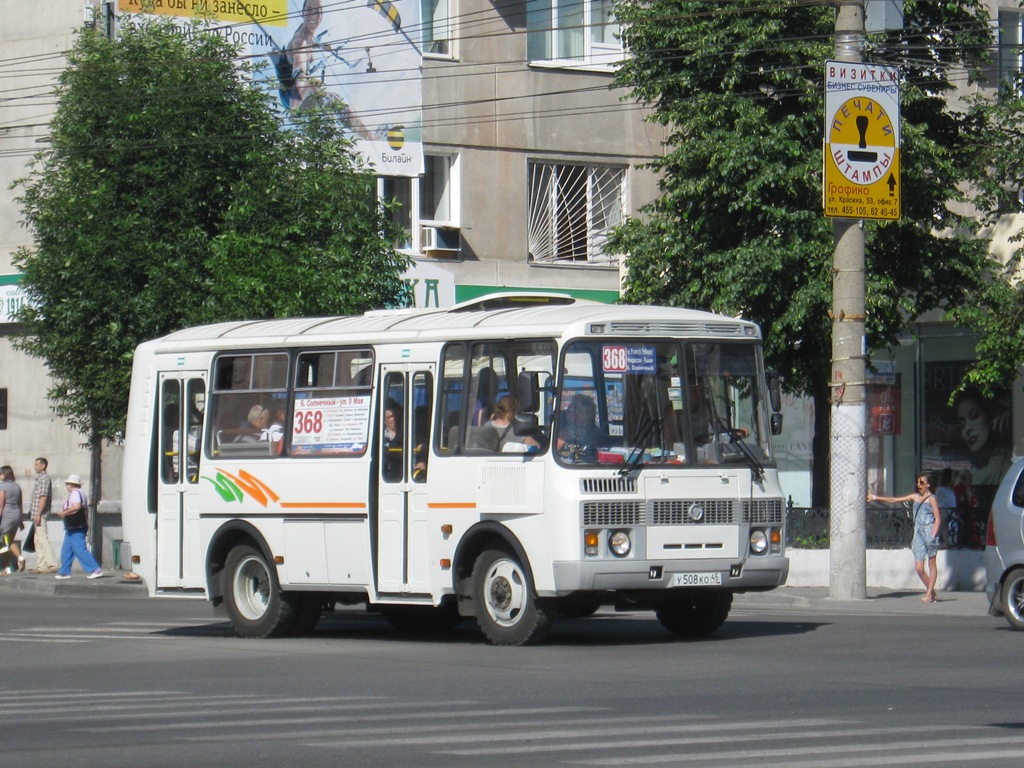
(862, 141)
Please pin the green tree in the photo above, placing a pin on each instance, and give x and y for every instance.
(739, 226)
(171, 194)
(998, 313)
(304, 233)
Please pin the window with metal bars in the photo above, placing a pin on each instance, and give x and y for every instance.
(572, 210)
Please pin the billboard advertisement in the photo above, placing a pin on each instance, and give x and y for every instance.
(360, 58)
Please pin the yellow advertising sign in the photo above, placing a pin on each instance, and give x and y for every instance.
(862, 141)
(269, 12)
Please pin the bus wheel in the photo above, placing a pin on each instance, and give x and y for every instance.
(252, 596)
(505, 605)
(1013, 599)
(694, 614)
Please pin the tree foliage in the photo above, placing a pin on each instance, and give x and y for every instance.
(170, 194)
(739, 227)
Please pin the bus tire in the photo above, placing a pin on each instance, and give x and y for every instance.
(253, 599)
(1013, 598)
(692, 613)
(504, 602)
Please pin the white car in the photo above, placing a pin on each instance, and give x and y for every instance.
(1004, 549)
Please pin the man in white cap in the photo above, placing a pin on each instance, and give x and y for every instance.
(76, 523)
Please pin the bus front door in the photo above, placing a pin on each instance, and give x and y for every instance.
(179, 432)
(406, 398)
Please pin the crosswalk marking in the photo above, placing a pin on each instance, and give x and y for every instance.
(113, 631)
(369, 727)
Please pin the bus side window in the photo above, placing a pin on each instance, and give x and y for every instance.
(248, 395)
(450, 404)
(422, 397)
(195, 407)
(170, 432)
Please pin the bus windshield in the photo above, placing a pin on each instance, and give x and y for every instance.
(625, 402)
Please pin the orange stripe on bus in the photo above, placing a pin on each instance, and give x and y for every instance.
(452, 505)
(323, 505)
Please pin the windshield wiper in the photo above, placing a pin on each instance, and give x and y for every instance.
(755, 465)
(647, 428)
(736, 438)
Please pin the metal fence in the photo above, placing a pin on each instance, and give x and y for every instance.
(887, 528)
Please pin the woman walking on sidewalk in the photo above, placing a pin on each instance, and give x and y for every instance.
(76, 523)
(10, 519)
(927, 523)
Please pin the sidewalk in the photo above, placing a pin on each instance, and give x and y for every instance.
(113, 584)
(907, 602)
(815, 599)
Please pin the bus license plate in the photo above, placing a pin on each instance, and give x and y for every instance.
(697, 580)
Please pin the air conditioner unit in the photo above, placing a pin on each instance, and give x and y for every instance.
(440, 241)
(428, 238)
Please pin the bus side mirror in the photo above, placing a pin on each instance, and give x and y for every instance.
(776, 423)
(775, 392)
(528, 391)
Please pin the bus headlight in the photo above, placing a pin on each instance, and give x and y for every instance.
(619, 543)
(758, 542)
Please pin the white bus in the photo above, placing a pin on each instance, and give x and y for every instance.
(637, 472)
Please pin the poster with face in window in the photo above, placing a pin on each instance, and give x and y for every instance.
(973, 434)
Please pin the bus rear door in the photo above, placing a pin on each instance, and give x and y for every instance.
(406, 397)
(182, 402)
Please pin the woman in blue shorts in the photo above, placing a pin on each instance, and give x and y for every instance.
(927, 523)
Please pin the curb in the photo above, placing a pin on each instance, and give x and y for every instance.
(905, 602)
(111, 584)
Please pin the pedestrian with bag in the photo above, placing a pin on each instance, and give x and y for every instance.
(76, 524)
(927, 524)
(10, 520)
(40, 507)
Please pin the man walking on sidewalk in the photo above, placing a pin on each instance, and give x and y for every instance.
(42, 500)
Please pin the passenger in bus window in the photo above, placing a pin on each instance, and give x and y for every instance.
(700, 414)
(275, 431)
(257, 422)
(486, 392)
(501, 422)
(578, 434)
(391, 441)
(421, 436)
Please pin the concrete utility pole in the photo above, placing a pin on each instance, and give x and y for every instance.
(847, 444)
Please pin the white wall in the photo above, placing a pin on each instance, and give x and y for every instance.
(959, 570)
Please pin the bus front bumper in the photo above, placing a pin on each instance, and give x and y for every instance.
(755, 573)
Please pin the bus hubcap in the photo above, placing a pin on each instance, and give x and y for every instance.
(505, 592)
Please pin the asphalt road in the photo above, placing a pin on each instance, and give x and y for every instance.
(100, 676)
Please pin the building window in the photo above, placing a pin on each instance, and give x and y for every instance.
(427, 207)
(436, 189)
(398, 191)
(436, 15)
(572, 210)
(576, 32)
(1010, 39)
(3, 408)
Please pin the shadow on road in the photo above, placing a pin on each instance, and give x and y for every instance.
(596, 631)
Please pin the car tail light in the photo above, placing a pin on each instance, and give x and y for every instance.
(990, 533)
